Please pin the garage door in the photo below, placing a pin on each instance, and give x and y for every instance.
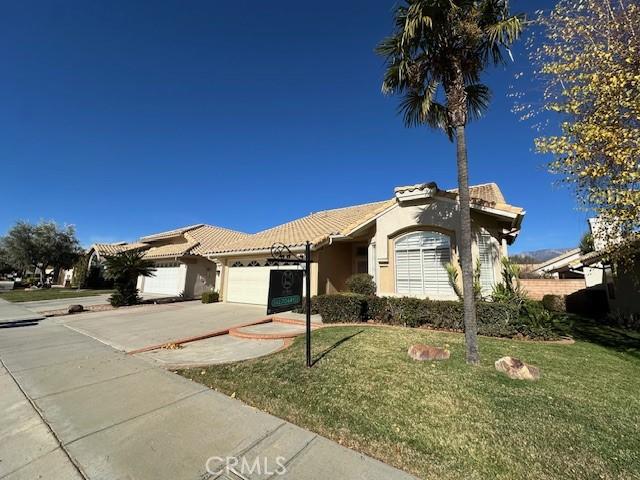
(249, 284)
(166, 280)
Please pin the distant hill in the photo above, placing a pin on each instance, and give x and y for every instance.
(538, 256)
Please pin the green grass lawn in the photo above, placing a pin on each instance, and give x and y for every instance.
(48, 294)
(451, 421)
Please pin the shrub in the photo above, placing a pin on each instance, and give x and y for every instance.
(303, 307)
(554, 303)
(342, 307)
(125, 296)
(361, 283)
(494, 318)
(210, 297)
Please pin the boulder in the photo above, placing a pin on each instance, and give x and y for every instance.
(76, 309)
(427, 352)
(517, 369)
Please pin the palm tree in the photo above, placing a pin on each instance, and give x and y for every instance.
(125, 268)
(441, 47)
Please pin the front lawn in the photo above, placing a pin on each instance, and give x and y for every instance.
(450, 421)
(48, 294)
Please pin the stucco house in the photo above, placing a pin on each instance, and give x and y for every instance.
(180, 257)
(404, 242)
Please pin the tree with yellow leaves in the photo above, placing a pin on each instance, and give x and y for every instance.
(589, 62)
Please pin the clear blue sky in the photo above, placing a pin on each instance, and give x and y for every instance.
(241, 114)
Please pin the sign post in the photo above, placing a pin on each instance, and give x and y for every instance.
(285, 287)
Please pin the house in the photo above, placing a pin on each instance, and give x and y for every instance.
(621, 285)
(180, 258)
(404, 242)
(569, 265)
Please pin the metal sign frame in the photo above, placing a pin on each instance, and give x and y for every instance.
(282, 253)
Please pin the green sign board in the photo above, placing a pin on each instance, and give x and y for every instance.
(285, 290)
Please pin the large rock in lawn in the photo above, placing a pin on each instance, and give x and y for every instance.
(517, 369)
(76, 309)
(427, 352)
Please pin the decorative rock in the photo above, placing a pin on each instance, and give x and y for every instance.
(76, 309)
(426, 352)
(517, 369)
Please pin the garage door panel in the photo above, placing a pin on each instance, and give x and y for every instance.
(250, 284)
(165, 281)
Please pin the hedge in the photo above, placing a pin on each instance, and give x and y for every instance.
(494, 319)
(210, 297)
(347, 307)
(555, 303)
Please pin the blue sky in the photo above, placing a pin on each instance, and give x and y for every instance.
(241, 114)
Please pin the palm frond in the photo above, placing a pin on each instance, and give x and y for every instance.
(478, 99)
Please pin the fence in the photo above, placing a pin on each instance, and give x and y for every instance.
(539, 287)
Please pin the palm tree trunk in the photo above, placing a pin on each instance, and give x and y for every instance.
(464, 246)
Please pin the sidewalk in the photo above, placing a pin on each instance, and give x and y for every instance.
(121, 417)
(11, 312)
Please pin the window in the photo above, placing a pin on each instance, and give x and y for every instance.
(238, 264)
(421, 259)
(253, 263)
(487, 278)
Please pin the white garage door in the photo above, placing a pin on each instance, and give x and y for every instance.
(250, 284)
(166, 280)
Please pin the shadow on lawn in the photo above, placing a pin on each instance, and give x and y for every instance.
(335, 345)
(589, 330)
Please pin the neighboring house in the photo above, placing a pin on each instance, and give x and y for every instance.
(404, 243)
(180, 258)
(622, 286)
(569, 265)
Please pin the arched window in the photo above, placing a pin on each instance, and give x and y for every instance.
(253, 263)
(238, 264)
(421, 259)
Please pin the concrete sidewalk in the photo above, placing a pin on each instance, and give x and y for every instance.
(121, 417)
(11, 313)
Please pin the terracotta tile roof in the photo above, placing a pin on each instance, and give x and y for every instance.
(316, 227)
(170, 250)
(211, 239)
(109, 249)
(169, 233)
(490, 195)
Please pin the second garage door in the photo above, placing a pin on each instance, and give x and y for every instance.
(166, 280)
(249, 284)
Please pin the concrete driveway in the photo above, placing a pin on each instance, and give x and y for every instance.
(135, 328)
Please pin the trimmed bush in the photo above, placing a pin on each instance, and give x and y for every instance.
(494, 319)
(210, 297)
(361, 283)
(342, 307)
(555, 303)
(303, 308)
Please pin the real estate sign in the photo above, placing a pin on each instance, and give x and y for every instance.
(285, 290)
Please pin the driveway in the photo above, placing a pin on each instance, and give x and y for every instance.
(135, 328)
(75, 408)
(65, 303)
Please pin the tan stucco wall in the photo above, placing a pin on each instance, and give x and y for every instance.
(438, 216)
(200, 276)
(335, 265)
